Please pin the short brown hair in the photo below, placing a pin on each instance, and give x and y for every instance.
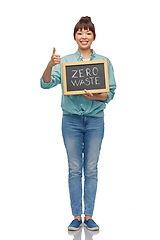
(86, 23)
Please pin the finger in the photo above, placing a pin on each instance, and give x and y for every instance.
(86, 96)
(54, 51)
(56, 56)
(57, 61)
(88, 93)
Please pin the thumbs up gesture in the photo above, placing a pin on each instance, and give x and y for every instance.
(55, 59)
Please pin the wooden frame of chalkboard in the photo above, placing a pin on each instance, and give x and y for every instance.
(89, 75)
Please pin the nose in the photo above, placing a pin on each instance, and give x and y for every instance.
(84, 35)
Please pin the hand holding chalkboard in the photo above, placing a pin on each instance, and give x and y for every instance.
(89, 95)
(55, 59)
(94, 96)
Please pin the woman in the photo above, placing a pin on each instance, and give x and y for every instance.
(82, 124)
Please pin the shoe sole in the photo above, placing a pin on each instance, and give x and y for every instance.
(91, 229)
(74, 229)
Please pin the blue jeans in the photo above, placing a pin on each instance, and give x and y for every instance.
(82, 138)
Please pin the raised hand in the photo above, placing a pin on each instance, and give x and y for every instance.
(55, 59)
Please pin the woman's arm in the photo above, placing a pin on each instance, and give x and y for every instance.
(47, 74)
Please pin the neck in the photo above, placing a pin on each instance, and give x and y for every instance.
(85, 52)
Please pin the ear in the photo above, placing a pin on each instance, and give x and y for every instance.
(94, 37)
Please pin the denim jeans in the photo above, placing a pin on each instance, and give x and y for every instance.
(82, 138)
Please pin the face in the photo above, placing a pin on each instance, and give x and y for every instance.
(84, 38)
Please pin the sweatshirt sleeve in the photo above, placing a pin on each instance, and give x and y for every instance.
(55, 78)
(112, 83)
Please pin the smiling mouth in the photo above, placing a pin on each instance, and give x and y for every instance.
(84, 42)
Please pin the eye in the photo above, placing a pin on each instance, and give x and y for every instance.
(79, 33)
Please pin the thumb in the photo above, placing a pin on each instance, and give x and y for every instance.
(54, 50)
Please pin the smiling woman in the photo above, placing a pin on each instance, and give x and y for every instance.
(84, 38)
(84, 34)
(83, 120)
(86, 24)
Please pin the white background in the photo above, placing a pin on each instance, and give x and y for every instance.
(34, 201)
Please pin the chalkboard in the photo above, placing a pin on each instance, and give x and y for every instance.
(90, 75)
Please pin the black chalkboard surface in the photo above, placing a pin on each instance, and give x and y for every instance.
(90, 75)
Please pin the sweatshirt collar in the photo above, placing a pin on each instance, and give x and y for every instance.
(79, 55)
